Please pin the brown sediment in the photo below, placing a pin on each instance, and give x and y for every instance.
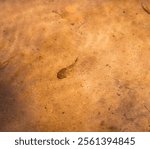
(74, 65)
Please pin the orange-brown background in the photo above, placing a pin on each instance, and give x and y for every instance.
(108, 89)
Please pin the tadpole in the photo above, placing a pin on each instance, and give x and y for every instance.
(62, 73)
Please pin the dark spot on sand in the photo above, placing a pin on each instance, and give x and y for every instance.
(113, 128)
(113, 36)
(102, 123)
(72, 24)
(107, 65)
(118, 94)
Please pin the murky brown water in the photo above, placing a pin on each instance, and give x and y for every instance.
(74, 65)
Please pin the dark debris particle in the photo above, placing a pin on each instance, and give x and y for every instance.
(107, 65)
(113, 36)
(118, 94)
(113, 128)
(3, 64)
(146, 108)
(72, 24)
(102, 123)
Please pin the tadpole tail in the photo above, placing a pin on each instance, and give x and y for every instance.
(145, 5)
